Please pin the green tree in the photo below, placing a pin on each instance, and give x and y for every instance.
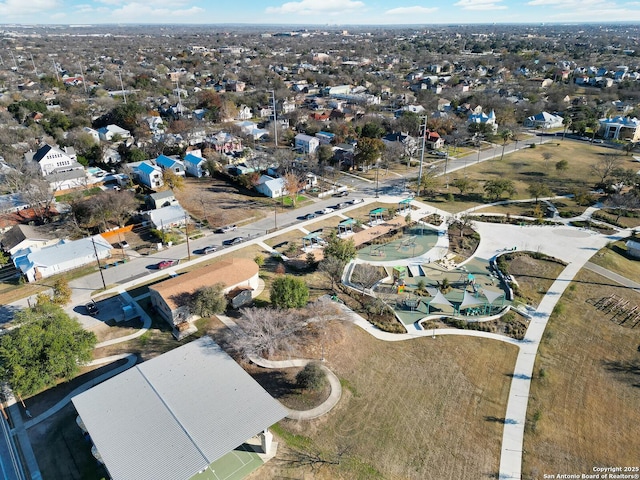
(259, 259)
(288, 291)
(4, 259)
(61, 292)
(208, 301)
(464, 184)
(562, 166)
(340, 248)
(538, 189)
(49, 346)
(496, 188)
(311, 377)
(506, 135)
(368, 150)
(172, 179)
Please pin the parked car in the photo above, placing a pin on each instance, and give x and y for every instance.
(356, 201)
(166, 264)
(92, 308)
(226, 228)
(209, 249)
(122, 245)
(309, 216)
(327, 210)
(344, 193)
(233, 241)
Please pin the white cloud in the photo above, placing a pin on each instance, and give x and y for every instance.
(139, 12)
(572, 4)
(13, 8)
(480, 5)
(317, 7)
(417, 10)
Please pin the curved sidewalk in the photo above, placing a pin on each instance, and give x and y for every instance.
(324, 407)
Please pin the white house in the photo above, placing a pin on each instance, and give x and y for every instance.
(543, 120)
(271, 187)
(480, 117)
(173, 164)
(306, 143)
(620, 128)
(167, 217)
(36, 264)
(94, 134)
(23, 237)
(148, 174)
(244, 113)
(53, 159)
(194, 165)
(107, 133)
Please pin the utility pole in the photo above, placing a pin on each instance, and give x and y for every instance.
(84, 84)
(93, 241)
(55, 69)
(124, 94)
(34, 65)
(186, 231)
(424, 142)
(377, 174)
(275, 118)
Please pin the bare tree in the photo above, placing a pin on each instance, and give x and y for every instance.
(365, 275)
(605, 166)
(332, 268)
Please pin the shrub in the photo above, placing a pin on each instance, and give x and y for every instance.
(289, 292)
(311, 377)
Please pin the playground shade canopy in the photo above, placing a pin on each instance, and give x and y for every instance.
(172, 416)
(491, 295)
(468, 300)
(440, 300)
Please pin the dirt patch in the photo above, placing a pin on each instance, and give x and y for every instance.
(219, 202)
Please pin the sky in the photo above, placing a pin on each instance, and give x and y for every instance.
(316, 12)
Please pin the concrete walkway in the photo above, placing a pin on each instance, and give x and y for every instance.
(324, 407)
(612, 276)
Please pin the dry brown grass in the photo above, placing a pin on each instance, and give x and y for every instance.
(423, 409)
(294, 236)
(528, 166)
(221, 202)
(589, 395)
(534, 277)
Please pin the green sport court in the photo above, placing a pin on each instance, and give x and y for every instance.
(235, 465)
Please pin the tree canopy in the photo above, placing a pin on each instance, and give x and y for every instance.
(208, 301)
(47, 347)
(340, 248)
(289, 292)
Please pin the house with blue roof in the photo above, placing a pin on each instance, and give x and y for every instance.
(169, 163)
(478, 116)
(194, 165)
(148, 174)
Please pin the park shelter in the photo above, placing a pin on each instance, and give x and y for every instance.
(472, 304)
(312, 239)
(172, 416)
(439, 301)
(376, 215)
(346, 226)
(491, 297)
(404, 206)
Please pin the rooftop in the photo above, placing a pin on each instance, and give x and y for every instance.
(172, 416)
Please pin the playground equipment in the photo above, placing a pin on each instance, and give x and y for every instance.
(622, 311)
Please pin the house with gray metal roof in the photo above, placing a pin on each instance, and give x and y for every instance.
(173, 416)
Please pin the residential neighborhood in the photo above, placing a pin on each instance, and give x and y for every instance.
(319, 252)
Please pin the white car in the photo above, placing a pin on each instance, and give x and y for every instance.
(327, 210)
(357, 200)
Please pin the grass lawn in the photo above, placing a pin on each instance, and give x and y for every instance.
(294, 235)
(534, 277)
(585, 393)
(423, 409)
(615, 258)
(327, 223)
(528, 166)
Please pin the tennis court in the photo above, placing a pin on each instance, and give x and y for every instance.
(235, 465)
